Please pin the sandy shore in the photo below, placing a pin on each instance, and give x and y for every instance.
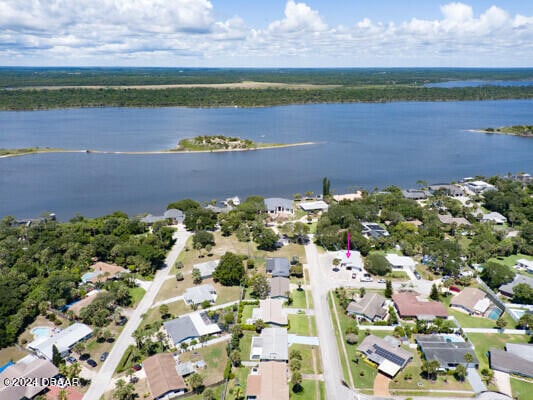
(172, 151)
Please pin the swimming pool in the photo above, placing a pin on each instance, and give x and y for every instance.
(453, 338)
(495, 313)
(41, 331)
(6, 366)
(88, 276)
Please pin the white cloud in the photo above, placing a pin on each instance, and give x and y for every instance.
(186, 32)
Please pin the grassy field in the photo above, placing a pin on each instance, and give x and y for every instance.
(307, 358)
(247, 312)
(521, 389)
(172, 288)
(10, 354)
(246, 344)
(397, 276)
(299, 325)
(215, 357)
(484, 341)
(308, 392)
(510, 261)
(298, 299)
(136, 293)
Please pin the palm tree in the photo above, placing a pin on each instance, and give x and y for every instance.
(469, 358)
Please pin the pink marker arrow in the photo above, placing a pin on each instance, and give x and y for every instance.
(348, 254)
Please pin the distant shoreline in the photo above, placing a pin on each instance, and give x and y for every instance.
(170, 151)
(500, 132)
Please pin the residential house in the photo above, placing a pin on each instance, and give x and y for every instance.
(370, 308)
(312, 206)
(479, 187)
(185, 369)
(102, 272)
(71, 393)
(450, 190)
(277, 205)
(473, 301)
(447, 219)
(279, 287)
(415, 194)
(354, 262)
(172, 215)
(268, 381)
(411, 305)
(278, 266)
(86, 301)
(163, 379)
(33, 370)
(401, 262)
(64, 340)
(270, 311)
(348, 196)
(207, 268)
(198, 294)
(272, 345)
(448, 350)
(389, 357)
(517, 360)
(507, 289)
(188, 327)
(373, 230)
(522, 263)
(494, 217)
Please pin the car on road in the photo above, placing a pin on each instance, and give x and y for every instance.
(366, 278)
(122, 321)
(354, 275)
(91, 362)
(382, 280)
(137, 367)
(85, 356)
(70, 359)
(417, 275)
(103, 357)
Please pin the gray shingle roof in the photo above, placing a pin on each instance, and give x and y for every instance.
(371, 306)
(199, 294)
(207, 268)
(278, 204)
(279, 286)
(507, 289)
(180, 329)
(278, 266)
(436, 347)
(508, 362)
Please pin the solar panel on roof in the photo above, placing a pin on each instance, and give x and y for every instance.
(389, 356)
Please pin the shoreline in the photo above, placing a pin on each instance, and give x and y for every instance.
(170, 151)
(498, 133)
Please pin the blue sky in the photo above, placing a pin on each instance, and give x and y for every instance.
(273, 33)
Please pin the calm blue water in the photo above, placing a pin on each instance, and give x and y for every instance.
(370, 145)
(475, 83)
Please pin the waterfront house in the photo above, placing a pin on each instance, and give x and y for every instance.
(277, 205)
(415, 194)
(479, 187)
(449, 189)
(312, 206)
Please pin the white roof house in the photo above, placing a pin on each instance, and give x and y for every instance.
(355, 261)
(495, 217)
(479, 186)
(207, 268)
(526, 264)
(319, 205)
(273, 344)
(64, 340)
(400, 261)
(199, 294)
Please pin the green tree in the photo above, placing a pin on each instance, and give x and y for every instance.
(501, 323)
(325, 187)
(209, 394)
(266, 239)
(260, 286)
(179, 276)
(296, 381)
(460, 372)
(57, 360)
(163, 310)
(235, 357)
(197, 382)
(124, 391)
(196, 276)
(377, 264)
(429, 368)
(203, 239)
(362, 292)
(388, 289)
(469, 358)
(259, 325)
(495, 275)
(523, 294)
(526, 321)
(434, 295)
(230, 270)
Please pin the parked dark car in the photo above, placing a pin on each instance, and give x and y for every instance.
(85, 356)
(103, 357)
(122, 321)
(91, 362)
(137, 367)
(70, 359)
(417, 275)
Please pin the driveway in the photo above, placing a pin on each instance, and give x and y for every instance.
(475, 381)
(381, 385)
(308, 340)
(503, 382)
(101, 382)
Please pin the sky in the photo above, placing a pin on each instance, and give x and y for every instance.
(266, 33)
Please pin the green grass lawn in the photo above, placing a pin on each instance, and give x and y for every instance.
(136, 293)
(246, 344)
(298, 299)
(215, 357)
(307, 358)
(216, 389)
(225, 294)
(521, 389)
(397, 275)
(172, 288)
(247, 312)
(240, 380)
(510, 261)
(484, 341)
(308, 392)
(299, 324)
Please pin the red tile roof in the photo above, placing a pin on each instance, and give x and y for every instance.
(409, 305)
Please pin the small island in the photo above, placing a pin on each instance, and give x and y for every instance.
(28, 150)
(515, 130)
(222, 143)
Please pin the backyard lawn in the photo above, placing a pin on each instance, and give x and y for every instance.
(246, 344)
(521, 389)
(467, 321)
(484, 341)
(299, 324)
(510, 261)
(215, 357)
(307, 358)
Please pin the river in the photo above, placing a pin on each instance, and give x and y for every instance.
(369, 145)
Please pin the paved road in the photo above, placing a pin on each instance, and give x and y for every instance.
(101, 382)
(475, 380)
(328, 344)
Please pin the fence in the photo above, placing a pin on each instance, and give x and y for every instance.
(496, 300)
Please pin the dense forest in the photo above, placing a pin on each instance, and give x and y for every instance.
(230, 97)
(23, 77)
(41, 264)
